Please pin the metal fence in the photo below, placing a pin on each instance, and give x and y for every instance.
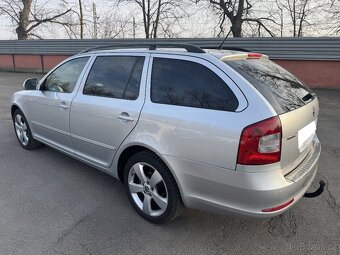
(320, 48)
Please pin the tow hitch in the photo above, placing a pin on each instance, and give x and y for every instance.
(318, 192)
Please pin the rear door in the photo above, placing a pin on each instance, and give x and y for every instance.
(296, 105)
(194, 110)
(107, 107)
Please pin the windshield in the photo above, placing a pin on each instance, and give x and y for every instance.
(281, 89)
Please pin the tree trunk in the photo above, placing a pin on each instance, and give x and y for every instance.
(143, 5)
(24, 20)
(157, 18)
(294, 19)
(236, 28)
(148, 18)
(21, 32)
(81, 19)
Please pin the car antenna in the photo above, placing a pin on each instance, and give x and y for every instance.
(225, 38)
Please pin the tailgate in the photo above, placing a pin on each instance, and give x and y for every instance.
(296, 105)
(298, 129)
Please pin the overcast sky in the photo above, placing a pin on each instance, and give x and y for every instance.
(5, 31)
(199, 22)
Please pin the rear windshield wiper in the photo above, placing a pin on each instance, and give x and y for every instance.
(308, 97)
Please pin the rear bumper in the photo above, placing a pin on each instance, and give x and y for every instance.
(225, 191)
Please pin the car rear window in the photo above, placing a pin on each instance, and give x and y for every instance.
(281, 89)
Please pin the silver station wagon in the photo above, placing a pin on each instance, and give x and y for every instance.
(216, 130)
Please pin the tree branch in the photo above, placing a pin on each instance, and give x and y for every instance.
(40, 21)
(259, 22)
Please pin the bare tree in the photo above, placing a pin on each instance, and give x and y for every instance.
(237, 12)
(111, 23)
(334, 15)
(70, 24)
(157, 14)
(77, 20)
(298, 10)
(27, 15)
(280, 8)
(303, 14)
(112, 26)
(81, 19)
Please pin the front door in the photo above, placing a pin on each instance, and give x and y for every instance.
(107, 108)
(49, 108)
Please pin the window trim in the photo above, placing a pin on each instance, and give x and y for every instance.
(242, 102)
(126, 86)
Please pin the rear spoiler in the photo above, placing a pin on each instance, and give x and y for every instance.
(244, 56)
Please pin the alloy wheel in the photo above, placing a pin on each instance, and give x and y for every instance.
(148, 189)
(21, 129)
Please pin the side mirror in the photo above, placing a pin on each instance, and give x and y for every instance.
(31, 84)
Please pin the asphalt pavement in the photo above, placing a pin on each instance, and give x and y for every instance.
(53, 204)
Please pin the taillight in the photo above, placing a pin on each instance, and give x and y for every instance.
(260, 143)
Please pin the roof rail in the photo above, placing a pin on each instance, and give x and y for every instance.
(152, 46)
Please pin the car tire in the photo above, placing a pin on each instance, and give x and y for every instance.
(151, 188)
(23, 131)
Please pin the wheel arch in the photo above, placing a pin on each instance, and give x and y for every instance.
(14, 107)
(124, 157)
(133, 149)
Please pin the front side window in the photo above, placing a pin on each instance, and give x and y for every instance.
(186, 83)
(65, 77)
(115, 76)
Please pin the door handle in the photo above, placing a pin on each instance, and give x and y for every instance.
(125, 117)
(63, 106)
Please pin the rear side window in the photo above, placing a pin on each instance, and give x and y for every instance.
(281, 89)
(115, 76)
(185, 83)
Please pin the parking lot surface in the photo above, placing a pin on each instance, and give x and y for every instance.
(53, 204)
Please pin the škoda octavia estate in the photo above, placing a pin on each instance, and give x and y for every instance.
(216, 130)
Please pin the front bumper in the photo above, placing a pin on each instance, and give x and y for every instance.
(219, 190)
